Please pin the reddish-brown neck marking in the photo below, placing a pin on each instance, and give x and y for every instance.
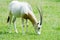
(32, 18)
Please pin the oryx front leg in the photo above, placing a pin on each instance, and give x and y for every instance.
(14, 22)
(23, 26)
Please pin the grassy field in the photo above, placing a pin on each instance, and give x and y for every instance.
(51, 21)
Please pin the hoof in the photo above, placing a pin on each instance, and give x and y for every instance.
(16, 31)
(9, 32)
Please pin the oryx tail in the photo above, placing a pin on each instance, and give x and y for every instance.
(8, 19)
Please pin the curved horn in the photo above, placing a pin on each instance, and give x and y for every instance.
(40, 13)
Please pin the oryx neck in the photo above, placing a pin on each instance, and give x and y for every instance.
(32, 18)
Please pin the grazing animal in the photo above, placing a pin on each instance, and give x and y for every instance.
(24, 11)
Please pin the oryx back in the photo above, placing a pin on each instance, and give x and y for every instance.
(18, 9)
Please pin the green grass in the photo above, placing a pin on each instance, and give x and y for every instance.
(51, 22)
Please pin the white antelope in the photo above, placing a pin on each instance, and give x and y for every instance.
(23, 10)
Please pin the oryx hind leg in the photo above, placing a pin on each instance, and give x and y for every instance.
(26, 25)
(9, 20)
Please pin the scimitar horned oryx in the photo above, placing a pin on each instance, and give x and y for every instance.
(24, 11)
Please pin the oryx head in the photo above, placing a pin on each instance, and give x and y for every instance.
(39, 24)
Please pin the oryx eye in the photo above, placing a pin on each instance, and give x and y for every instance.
(38, 28)
(37, 23)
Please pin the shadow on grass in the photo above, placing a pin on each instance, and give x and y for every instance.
(3, 32)
(31, 33)
(58, 28)
(28, 33)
